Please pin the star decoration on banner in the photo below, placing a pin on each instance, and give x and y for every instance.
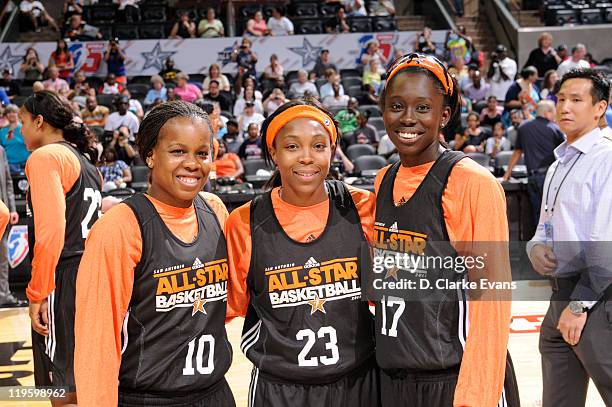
(156, 57)
(307, 51)
(317, 305)
(7, 59)
(392, 272)
(198, 306)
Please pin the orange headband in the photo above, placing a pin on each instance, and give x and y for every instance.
(300, 111)
(426, 62)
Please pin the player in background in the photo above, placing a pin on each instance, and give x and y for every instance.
(152, 286)
(296, 255)
(64, 200)
(450, 352)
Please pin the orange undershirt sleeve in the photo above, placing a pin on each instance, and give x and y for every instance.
(4, 217)
(51, 170)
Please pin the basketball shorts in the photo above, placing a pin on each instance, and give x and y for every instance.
(54, 354)
(217, 395)
(436, 388)
(357, 389)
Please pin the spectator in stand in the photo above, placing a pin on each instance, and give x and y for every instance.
(323, 64)
(371, 96)
(78, 81)
(516, 119)
(303, 86)
(327, 88)
(278, 24)
(37, 86)
(210, 27)
(472, 138)
(336, 99)
(115, 172)
(35, 12)
(232, 138)
(589, 58)
(544, 57)
(372, 74)
(214, 72)
(274, 101)
(248, 117)
(11, 140)
(355, 8)
(78, 30)
(72, 7)
(94, 114)
(548, 84)
(115, 60)
(576, 61)
(338, 24)
(274, 73)
(171, 95)
(245, 58)
(248, 96)
(183, 28)
(169, 72)
(134, 105)
(382, 8)
(497, 142)
(256, 26)
(492, 113)
(3, 120)
(250, 148)
(424, 43)
(524, 91)
(55, 83)
(501, 72)
(365, 133)
(62, 59)
(348, 118)
(227, 164)
(111, 86)
(214, 94)
(563, 52)
(373, 51)
(11, 86)
(122, 117)
(477, 89)
(187, 91)
(31, 67)
(128, 10)
(157, 91)
(4, 99)
(121, 144)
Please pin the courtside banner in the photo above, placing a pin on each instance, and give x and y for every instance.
(146, 57)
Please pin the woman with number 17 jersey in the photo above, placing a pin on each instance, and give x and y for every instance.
(63, 199)
(296, 258)
(152, 286)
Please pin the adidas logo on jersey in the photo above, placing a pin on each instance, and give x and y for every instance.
(393, 228)
(311, 263)
(197, 264)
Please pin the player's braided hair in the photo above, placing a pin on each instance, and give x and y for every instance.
(157, 118)
(57, 112)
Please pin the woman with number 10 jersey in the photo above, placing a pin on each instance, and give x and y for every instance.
(63, 200)
(152, 286)
(296, 258)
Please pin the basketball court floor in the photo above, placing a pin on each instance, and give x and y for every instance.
(16, 367)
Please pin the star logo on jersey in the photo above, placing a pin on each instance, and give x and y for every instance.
(392, 272)
(317, 305)
(156, 57)
(198, 306)
(307, 51)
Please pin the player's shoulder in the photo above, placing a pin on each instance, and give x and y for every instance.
(240, 215)
(55, 154)
(117, 219)
(216, 204)
(360, 196)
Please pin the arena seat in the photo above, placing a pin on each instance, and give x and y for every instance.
(369, 162)
(252, 166)
(140, 177)
(308, 26)
(360, 24)
(358, 150)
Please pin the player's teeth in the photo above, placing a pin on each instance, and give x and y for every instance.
(408, 136)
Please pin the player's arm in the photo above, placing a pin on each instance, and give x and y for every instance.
(51, 172)
(482, 373)
(365, 201)
(238, 235)
(4, 217)
(103, 291)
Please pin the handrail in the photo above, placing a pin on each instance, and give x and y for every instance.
(503, 23)
(9, 22)
(449, 19)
